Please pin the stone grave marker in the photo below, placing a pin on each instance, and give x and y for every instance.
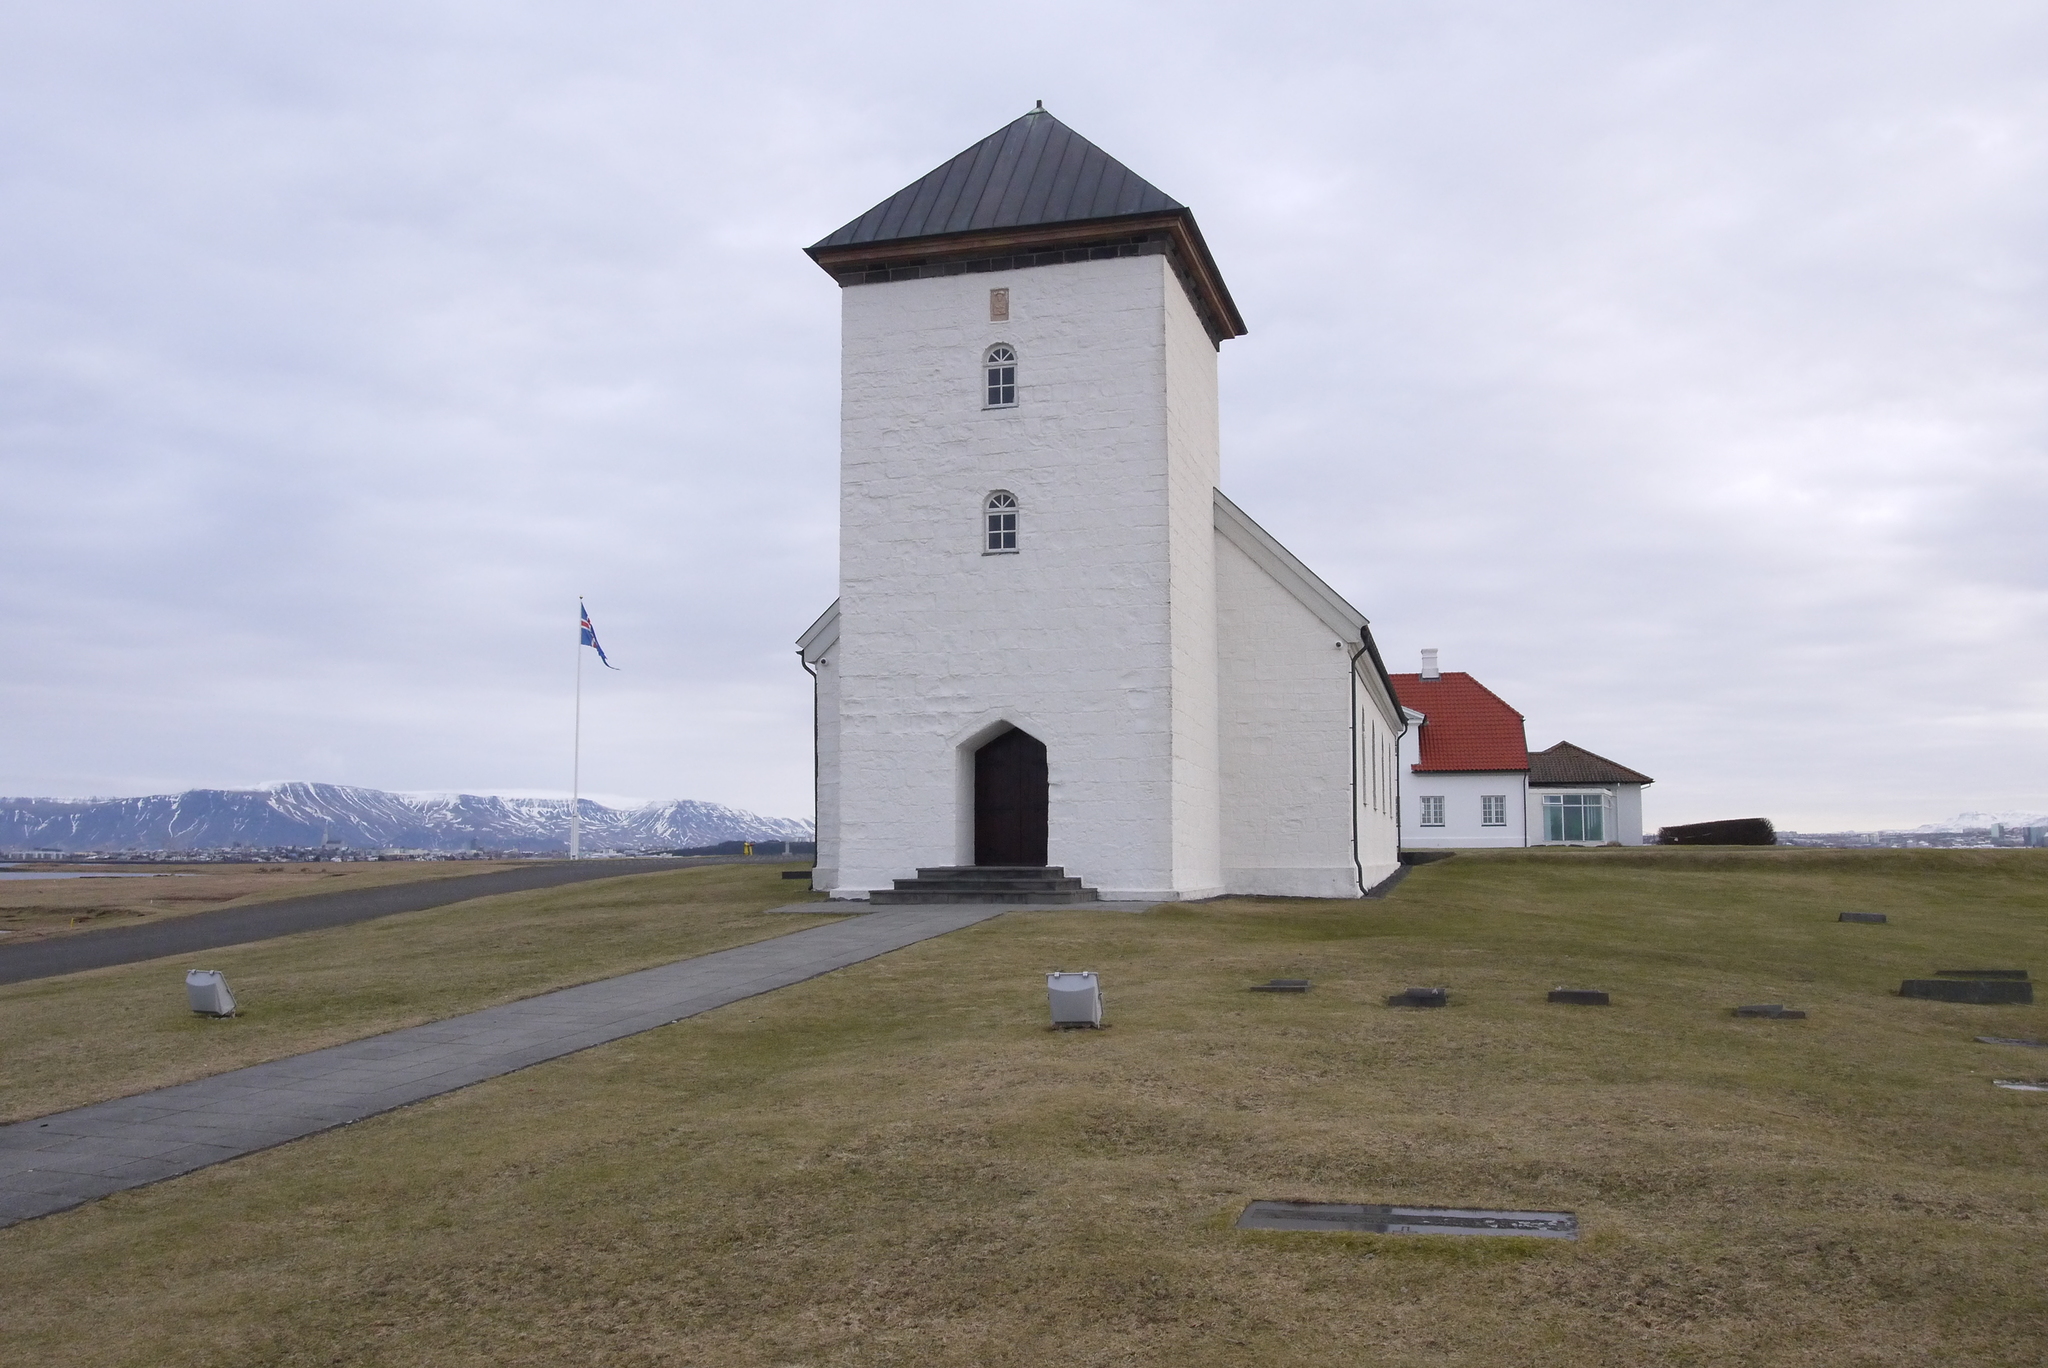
(1774, 1011)
(2022, 1084)
(1583, 997)
(1977, 990)
(1421, 997)
(1874, 917)
(1370, 1219)
(2012, 1040)
(1281, 986)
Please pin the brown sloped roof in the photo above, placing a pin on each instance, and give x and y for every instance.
(1565, 763)
(1470, 729)
(1032, 193)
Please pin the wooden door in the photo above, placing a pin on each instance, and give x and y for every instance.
(1010, 800)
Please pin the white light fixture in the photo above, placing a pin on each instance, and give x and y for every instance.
(1076, 998)
(208, 992)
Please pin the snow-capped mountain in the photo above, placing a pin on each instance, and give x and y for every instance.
(1984, 821)
(307, 814)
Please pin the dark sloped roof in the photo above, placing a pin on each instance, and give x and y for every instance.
(1565, 763)
(1468, 728)
(1030, 172)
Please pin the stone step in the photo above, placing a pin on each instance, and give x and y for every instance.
(992, 872)
(994, 885)
(901, 897)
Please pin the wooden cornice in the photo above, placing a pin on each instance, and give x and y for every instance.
(1191, 253)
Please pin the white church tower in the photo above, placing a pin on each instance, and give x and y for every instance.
(1024, 666)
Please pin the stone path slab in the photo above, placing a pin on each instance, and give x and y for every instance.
(74, 1157)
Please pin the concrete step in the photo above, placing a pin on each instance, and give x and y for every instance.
(994, 885)
(992, 872)
(902, 897)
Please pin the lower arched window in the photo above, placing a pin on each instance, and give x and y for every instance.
(1000, 522)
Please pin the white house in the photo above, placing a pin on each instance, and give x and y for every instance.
(1579, 798)
(1468, 778)
(1464, 763)
(1056, 643)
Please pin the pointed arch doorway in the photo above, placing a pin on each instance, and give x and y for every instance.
(1010, 801)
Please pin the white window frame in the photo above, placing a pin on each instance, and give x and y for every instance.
(1432, 809)
(1554, 803)
(999, 376)
(1493, 809)
(999, 523)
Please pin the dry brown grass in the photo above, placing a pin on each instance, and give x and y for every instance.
(898, 1164)
(112, 1032)
(31, 909)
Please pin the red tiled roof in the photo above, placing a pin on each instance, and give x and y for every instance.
(1468, 727)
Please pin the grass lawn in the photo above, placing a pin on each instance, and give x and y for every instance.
(898, 1164)
(31, 909)
(111, 1032)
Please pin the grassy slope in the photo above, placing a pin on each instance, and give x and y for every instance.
(896, 1164)
(111, 1032)
(32, 909)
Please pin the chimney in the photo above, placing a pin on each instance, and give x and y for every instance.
(1429, 670)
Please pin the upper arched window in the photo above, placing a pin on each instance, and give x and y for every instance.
(999, 518)
(999, 368)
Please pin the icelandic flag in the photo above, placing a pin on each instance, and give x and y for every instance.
(590, 637)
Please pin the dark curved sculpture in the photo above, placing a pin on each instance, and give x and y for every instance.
(1734, 831)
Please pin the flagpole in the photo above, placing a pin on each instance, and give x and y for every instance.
(576, 761)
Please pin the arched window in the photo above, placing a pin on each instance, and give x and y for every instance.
(999, 517)
(999, 366)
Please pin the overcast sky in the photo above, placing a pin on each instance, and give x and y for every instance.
(1680, 372)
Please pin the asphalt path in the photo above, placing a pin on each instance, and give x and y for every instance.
(314, 912)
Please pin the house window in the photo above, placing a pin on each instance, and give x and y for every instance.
(999, 523)
(1575, 817)
(1433, 810)
(999, 367)
(1493, 809)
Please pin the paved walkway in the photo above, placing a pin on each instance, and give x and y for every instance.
(313, 912)
(78, 1156)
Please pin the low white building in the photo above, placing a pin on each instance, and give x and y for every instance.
(1464, 763)
(1579, 798)
(1469, 780)
(1056, 643)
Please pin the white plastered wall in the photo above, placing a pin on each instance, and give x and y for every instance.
(1077, 638)
(819, 646)
(1309, 789)
(1463, 810)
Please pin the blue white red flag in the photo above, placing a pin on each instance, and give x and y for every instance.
(590, 637)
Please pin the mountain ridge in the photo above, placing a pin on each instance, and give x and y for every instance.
(306, 814)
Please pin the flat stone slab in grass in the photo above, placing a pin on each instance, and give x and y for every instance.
(2012, 1040)
(1877, 918)
(1369, 1219)
(1583, 997)
(1772, 1011)
(1281, 986)
(2022, 1084)
(1982, 991)
(1421, 997)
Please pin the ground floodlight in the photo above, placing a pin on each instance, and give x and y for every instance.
(208, 992)
(1076, 998)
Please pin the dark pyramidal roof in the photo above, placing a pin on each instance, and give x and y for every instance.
(1565, 763)
(1032, 172)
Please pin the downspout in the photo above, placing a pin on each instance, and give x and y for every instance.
(1357, 861)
